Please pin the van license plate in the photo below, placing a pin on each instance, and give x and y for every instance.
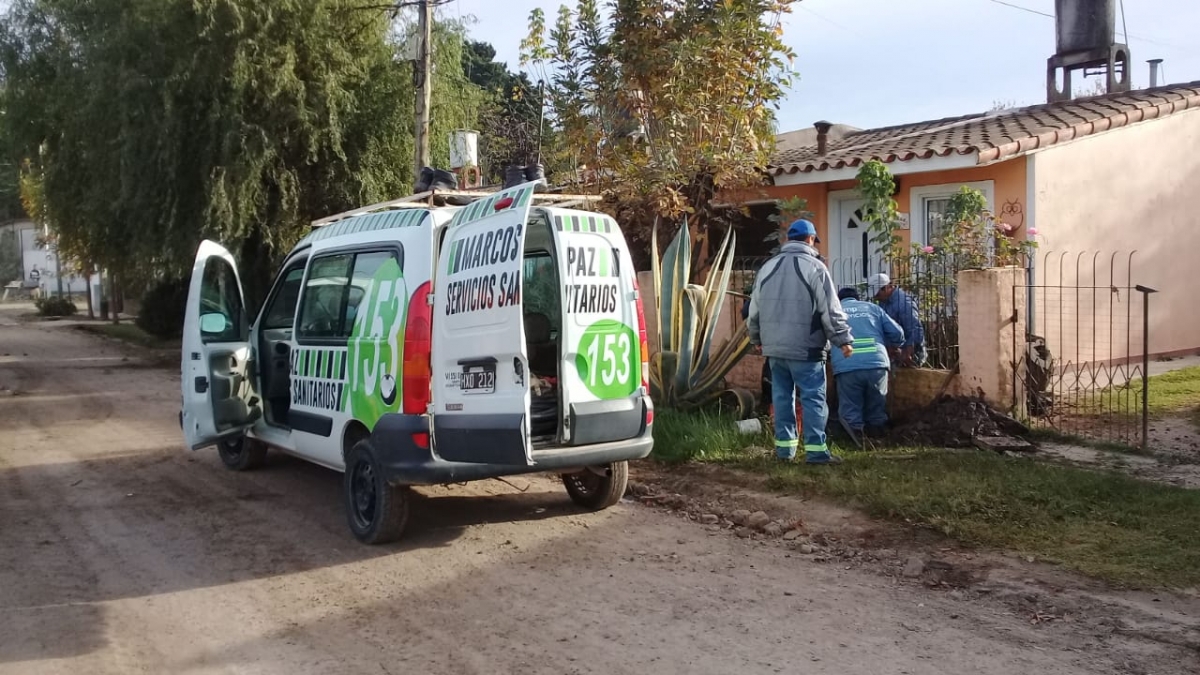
(479, 379)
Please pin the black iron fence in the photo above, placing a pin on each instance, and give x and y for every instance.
(1080, 366)
(929, 281)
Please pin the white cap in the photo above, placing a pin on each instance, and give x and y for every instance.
(876, 282)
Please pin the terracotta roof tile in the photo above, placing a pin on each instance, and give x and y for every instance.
(994, 136)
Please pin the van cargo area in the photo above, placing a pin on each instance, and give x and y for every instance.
(542, 301)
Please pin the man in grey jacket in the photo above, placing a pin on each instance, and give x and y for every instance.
(794, 315)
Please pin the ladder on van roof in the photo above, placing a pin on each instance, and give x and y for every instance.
(437, 198)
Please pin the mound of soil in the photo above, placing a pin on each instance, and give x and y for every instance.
(955, 422)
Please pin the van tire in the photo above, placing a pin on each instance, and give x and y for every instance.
(241, 453)
(594, 491)
(376, 510)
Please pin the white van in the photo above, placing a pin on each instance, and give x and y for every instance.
(430, 345)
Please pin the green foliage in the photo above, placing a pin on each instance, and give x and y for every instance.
(681, 437)
(876, 185)
(787, 211)
(510, 117)
(665, 103)
(54, 305)
(10, 196)
(156, 123)
(689, 370)
(1101, 523)
(162, 309)
(12, 266)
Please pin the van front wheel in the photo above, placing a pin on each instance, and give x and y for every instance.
(598, 487)
(241, 454)
(377, 511)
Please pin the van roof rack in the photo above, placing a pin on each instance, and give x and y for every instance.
(436, 198)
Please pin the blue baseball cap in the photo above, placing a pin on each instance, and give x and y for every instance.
(801, 229)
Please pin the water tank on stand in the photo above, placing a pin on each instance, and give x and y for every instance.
(464, 157)
(1086, 40)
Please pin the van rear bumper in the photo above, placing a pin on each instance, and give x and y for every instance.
(406, 463)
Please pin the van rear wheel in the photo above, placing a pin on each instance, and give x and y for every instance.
(241, 454)
(598, 487)
(376, 510)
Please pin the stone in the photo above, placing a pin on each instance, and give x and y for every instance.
(808, 549)
(773, 529)
(740, 516)
(791, 535)
(744, 532)
(758, 519)
(710, 519)
(1002, 444)
(913, 567)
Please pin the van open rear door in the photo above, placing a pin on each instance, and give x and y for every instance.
(480, 364)
(601, 350)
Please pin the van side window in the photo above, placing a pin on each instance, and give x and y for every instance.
(336, 286)
(281, 313)
(323, 307)
(365, 267)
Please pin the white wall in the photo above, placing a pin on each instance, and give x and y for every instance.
(1131, 189)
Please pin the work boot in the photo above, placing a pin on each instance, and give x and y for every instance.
(831, 459)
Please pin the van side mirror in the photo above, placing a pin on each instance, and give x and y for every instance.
(214, 323)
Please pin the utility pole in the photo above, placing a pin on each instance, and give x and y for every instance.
(422, 70)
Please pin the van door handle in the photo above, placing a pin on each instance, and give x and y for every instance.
(201, 385)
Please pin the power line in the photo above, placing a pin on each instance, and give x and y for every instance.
(825, 19)
(1023, 9)
(1124, 32)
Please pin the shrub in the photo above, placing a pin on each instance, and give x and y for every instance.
(54, 305)
(161, 314)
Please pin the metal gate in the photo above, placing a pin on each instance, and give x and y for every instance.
(1081, 361)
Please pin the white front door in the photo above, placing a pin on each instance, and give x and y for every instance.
(853, 257)
(218, 396)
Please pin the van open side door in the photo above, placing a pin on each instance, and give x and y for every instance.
(480, 361)
(218, 399)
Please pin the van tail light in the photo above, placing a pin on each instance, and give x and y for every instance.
(643, 342)
(418, 348)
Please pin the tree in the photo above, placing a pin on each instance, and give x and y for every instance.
(665, 103)
(511, 118)
(10, 172)
(162, 122)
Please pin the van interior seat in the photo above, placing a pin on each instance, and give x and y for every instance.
(543, 351)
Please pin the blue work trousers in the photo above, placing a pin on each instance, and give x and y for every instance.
(862, 397)
(787, 376)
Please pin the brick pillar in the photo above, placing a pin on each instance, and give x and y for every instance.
(987, 324)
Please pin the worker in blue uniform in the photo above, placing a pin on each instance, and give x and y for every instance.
(862, 377)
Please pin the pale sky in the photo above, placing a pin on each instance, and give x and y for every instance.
(872, 63)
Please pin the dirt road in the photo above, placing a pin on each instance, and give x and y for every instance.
(120, 552)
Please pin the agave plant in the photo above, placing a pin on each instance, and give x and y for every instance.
(689, 370)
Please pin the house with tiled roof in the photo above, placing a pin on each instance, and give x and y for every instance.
(1113, 173)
